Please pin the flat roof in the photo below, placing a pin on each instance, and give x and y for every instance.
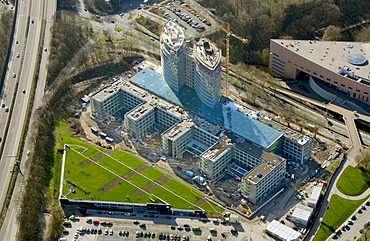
(249, 128)
(140, 111)
(332, 55)
(259, 172)
(282, 231)
(315, 194)
(217, 149)
(207, 53)
(179, 128)
(259, 153)
(108, 90)
(302, 212)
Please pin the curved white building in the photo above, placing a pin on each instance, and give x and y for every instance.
(173, 55)
(207, 71)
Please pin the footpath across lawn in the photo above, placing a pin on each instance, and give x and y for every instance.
(353, 181)
(339, 210)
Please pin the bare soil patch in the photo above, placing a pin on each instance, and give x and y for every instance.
(129, 174)
(110, 185)
(142, 167)
(200, 202)
(84, 163)
(138, 192)
(163, 179)
(151, 186)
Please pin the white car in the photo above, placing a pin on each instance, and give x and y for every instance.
(14, 75)
(18, 55)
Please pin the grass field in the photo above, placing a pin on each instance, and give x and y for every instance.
(353, 181)
(339, 210)
(99, 174)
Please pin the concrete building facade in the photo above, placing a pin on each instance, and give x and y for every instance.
(207, 71)
(214, 161)
(173, 55)
(340, 65)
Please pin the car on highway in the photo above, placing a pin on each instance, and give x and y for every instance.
(32, 21)
(23, 91)
(16, 42)
(14, 75)
(46, 49)
(2, 105)
(18, 55)
(6, 109)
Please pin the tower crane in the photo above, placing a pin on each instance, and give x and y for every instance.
(229, 34)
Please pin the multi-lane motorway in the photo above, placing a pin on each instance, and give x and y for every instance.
(16, 95)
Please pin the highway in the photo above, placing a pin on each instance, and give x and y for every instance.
(27, 33)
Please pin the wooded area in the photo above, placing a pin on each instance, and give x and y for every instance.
(261, 21)
(69, 35)
(6, 21)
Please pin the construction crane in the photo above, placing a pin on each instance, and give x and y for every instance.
(228, 32)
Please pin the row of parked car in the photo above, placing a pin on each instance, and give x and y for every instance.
(185, 17)
(351, 221)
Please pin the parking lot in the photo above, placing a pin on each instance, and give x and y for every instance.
(188, 18)
(144, 226)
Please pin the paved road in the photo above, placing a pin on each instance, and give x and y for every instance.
(355, 150)
(6, 163)
(37, 10)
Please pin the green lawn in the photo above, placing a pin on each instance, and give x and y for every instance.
(84, 180)
(113, 166)
(124, 192)
(152, 173)
(128, 159)
(353, 181)
(93, 182)
(211, 208)
(139, 180)
(173, 200)
(339, 210)
(183, 190)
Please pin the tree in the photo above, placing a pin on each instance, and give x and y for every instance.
(364, 160)
(332, 33)
(363, 35)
